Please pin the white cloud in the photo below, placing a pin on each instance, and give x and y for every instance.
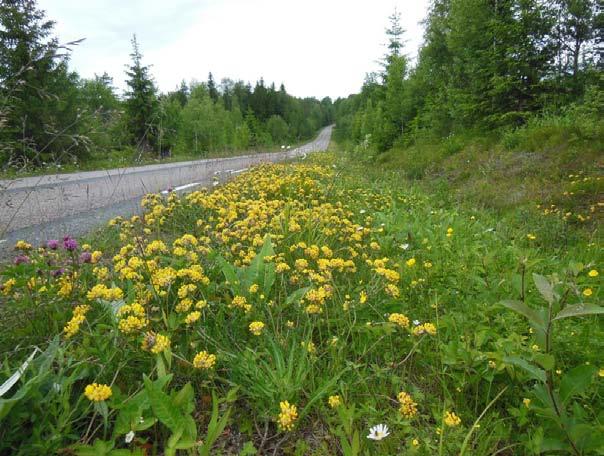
(315, 47)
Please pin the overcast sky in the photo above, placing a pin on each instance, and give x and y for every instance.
(315, 47)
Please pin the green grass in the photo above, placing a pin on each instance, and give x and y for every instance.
(452, 261)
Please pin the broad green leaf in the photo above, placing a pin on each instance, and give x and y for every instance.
(578, 310)
(184, 398)
(576, 381)
(544, 287)
(518, 306)
(229, 271)
(296, 295)
(255, 271)
(544, 360)
(174, 439)
(163, 408)
(535, 372)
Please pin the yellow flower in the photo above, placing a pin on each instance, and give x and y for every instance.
(254, 288)
(392, 290)
(288, 416)
(131, 324)
(22, 245)
(451, 419)
(204, 360)
(309, 346)
(399, 319)
(363, 297)
(96, 392)
(449, 232)
(73, 326)
(410, 262)
(587, 292)
(531, 237)
(256, 327)
(192, 317)
(96, 256)
(301, 264)
(601, 372)
(408, 406)
(334, 401)
(527, 402)
(425, 328)
(593, 273)
(415, 442)
(155, 343)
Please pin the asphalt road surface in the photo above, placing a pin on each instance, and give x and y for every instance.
(52, 206)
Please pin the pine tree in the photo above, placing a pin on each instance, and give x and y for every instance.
(141, 102)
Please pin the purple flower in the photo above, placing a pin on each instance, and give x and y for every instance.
(21, 259)
(86, 257)
(57, 272)
(69, 243)
(53, 244)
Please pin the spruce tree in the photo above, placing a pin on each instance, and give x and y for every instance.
(141, 102)
(212, 90)
(38, 109)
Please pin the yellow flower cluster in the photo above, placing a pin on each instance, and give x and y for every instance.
(155, 343)
(399, 319)
(97, 392)
(334, 401)
(79, 316)
(192, 317)
(22, 245)
(241, 303)
(408, 407)
(132, 318)
(451, 419)
(256, 328)
(287, 416)
(100, 291)
(204, 360)
(424, 328)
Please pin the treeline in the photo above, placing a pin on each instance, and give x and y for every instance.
(50, 114)
(483, 66)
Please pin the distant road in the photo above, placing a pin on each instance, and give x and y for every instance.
(51, 206)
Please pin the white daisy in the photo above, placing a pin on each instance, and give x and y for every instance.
(378, 432)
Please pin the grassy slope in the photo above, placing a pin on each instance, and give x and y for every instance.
(551, 161)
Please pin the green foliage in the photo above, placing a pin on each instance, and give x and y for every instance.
(483, 66)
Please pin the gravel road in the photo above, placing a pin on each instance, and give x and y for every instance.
(51, 206)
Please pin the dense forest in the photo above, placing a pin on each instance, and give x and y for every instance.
(49, 114)
(485, 67)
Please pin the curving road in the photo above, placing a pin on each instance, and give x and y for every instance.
(51, 206)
